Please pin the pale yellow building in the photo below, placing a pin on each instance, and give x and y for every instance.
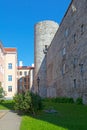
(8, 70)
(10, 77)
(1, 65)
(25, 78)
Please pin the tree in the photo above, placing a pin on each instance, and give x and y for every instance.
(28, 102)
(1, 91)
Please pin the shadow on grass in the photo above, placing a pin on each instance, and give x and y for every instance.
(68, 117)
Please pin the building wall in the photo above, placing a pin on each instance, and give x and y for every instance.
(67, 54)
(66, 59)
(25, 78)
(44, 33)
(1, 65)
(10, 57)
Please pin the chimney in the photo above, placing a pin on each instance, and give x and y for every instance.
(20, 63)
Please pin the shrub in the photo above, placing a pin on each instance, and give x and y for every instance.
(36, 102)
(28, 102)
(79, 100)
(60, 100)
(1, 91)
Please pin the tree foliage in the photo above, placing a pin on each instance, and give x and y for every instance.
(1, 91)
(27, 102)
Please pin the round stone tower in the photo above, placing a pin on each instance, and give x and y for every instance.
(43, 35)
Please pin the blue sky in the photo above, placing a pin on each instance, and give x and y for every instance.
(17, 20)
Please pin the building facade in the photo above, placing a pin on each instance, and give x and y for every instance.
(1, 65)
(25, 78)
(66, 58)
(8, 70)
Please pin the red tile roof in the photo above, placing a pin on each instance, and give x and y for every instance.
(25, 67)
(10, 49)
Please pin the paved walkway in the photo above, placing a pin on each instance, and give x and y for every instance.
(9, 120)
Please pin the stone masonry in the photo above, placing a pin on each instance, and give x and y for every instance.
(66, 58)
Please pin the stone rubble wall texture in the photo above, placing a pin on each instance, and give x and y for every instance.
(65, 69)
(70, 81)
(44, 33)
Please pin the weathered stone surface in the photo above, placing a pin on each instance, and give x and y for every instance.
(64, 70)
(44, 33)
(71, 35)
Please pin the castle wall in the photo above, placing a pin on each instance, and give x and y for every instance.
(67, 54)
(44, 33)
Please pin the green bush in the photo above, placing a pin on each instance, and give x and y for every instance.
(60, 100)
(64, 100)
(2, 93)
(79, 100)
(27, 102)
(36, 102)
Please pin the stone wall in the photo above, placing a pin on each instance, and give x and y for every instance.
(67, 54)
(44, 33)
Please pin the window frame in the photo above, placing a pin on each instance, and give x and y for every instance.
(9, 65)
(9, 77)
(10, 88)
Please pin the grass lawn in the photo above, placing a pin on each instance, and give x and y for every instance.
(7, 104)
(68, 117)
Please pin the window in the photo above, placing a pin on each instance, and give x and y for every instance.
(74, 38)
(74, 63)
(25, 79)
(9, 88)
(74, 83)
(82, 29)
(63, 69)
(20, 72)
(66, 32)
(25, 73)
(64, 51)
(46, 49)
(20, 80)
(9, 65)
(81, 68)
(9, 77)
(20, 87)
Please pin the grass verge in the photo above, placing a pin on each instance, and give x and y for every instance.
(7, 104)
(68, 117)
